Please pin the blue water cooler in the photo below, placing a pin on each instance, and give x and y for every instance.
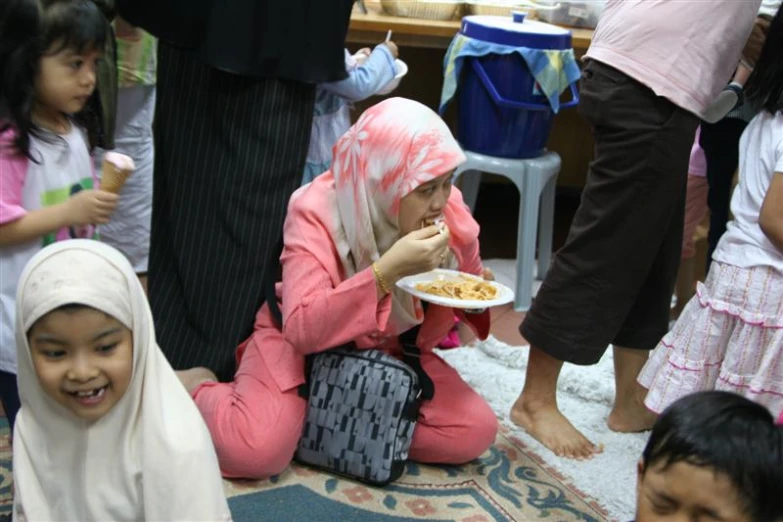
(499, 113)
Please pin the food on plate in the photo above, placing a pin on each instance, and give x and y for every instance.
(465, 289)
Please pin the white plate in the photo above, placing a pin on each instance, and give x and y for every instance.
(402, 69)
(503, 296)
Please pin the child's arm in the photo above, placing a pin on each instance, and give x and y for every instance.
(88, 207)
(33, 225)
(741, 75)
(19, 226)
(771, 216)
(756, 39)
(368, 78)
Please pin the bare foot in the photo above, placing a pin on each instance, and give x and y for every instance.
(631, 416)
(548, 425)
(193, 377)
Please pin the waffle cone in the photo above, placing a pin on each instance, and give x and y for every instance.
(112, 178)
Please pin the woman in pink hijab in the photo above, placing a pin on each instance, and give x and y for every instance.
(349, 236)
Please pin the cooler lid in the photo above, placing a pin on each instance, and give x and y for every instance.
(515, 31)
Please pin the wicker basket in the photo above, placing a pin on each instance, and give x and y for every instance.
(425, 9)
(499, 8)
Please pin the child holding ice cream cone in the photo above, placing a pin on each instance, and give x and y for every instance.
(48, 56)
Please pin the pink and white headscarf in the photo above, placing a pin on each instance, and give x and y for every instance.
(396, 146)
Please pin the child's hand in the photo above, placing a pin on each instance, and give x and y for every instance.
(91, 207)
(393, 49)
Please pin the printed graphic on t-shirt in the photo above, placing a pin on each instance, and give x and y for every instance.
(58, 196)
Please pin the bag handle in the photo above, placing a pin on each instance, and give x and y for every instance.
(411, 355)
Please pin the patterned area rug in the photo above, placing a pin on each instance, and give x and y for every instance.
(507, 484)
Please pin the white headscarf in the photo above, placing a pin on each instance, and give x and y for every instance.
(151, 456)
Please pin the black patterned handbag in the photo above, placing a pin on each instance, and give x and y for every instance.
(363, 406)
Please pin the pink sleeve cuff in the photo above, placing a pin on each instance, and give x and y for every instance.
(10, 213)
(13, 171)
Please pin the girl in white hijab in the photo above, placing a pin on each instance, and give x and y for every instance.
(106, 430)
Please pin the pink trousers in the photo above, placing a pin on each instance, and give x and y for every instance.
(256, 426)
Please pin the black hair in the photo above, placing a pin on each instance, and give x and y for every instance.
(764, 89)
(71, 307)
(68, 308)
(730, 435)
(30, 30)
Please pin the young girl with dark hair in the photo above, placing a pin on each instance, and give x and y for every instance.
(48, 56)
(730, 335)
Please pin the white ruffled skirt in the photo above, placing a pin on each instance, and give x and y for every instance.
(729, 337)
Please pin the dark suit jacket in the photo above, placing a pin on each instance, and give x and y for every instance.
(294, 39)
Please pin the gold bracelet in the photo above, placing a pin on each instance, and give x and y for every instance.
(380, 279)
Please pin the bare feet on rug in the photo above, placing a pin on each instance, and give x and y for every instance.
(631, 416)
(193, 377)
(550, 427)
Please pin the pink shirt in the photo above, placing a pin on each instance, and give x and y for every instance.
(684, 50)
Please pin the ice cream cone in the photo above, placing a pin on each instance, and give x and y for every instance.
(115, 171)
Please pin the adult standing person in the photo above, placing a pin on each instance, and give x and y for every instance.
(653, 67)
(236, 84)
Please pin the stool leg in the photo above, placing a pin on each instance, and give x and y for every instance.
(526, 241)
(546, 226)
(471, 181)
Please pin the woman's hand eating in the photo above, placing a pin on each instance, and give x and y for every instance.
(420, 251)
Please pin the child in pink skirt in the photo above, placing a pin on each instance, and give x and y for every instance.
(730, 334)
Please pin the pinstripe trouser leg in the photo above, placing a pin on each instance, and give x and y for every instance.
(230, 151)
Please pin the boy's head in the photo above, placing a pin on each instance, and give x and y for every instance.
(712, 456)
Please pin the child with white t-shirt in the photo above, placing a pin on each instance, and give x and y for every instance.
(48, 55)
(730, 334)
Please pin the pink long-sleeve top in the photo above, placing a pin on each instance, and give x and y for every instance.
(322, 309)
